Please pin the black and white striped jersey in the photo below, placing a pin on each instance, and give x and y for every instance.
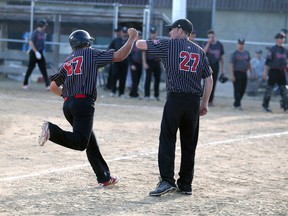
(185, 62)
(78, 74)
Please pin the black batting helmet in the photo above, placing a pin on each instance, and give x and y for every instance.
(79, 39)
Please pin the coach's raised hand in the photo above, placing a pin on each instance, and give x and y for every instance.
(122, 53)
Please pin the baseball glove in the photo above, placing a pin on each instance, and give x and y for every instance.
(223, 78)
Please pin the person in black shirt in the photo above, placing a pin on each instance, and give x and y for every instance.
(215, 53)
(76, 82)
(152, 67)
(108, 85)
(192, 36)
(135, 62)
(275, 67)
(186, 65)
(119, 69)
(37, 44)
(239, 65)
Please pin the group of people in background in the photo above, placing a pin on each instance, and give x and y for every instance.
(268, 72)
(263, 71)
(136, 61)
(271, 70)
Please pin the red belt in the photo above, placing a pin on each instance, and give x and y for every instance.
(76, 96)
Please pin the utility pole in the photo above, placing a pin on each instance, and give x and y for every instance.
(32, 16)
(213, 22)
(179, 9)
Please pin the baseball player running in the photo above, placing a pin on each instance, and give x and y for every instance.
(76, 83)
(186, 65)
(275, 66)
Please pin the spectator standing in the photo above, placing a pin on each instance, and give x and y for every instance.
(215, 53)
(239, 65)
(108, 85)
(135, 62)
(192, 36)
(119, 69)
(152, 67)
(37, 44)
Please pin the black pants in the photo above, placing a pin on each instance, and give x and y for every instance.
(135, 75)
(119, 72)
(278, 77)
(109, 77)
(215, 69)
(80, 113)
(155, 69)
(239, 84)
(41, 64)
(180, 111)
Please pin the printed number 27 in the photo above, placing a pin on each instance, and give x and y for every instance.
(78, 64)
(184, 65)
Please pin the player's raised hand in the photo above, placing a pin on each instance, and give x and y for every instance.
(133, 33)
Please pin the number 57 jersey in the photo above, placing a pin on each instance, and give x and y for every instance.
(185, 62)
(78, 74)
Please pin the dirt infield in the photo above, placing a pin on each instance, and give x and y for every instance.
(241, 161)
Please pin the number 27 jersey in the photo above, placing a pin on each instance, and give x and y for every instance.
(185, 62)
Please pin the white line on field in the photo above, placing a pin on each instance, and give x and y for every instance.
(12, 178)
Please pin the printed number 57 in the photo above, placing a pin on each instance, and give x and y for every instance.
(187, 57)
(78, 65)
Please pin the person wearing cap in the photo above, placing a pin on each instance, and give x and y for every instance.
(192, 36)
(117, 31)
(108, 86)
(37, 44)
(152, 67)
(274, 72)
(215, 53)
(186, 65)
(135, 62)
(239, 65)
(257, 64)
(119, 69)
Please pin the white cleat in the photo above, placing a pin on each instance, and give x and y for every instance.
(45, 134)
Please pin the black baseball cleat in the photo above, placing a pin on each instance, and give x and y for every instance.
(267, 109)
(163, 187)
(184, 189)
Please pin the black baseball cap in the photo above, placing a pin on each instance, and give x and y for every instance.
(258, 51)
(241, 41)
(153, 29)
(42, 22)
(118, 29)
(185, 24)
(124, 29)
(280, 36)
